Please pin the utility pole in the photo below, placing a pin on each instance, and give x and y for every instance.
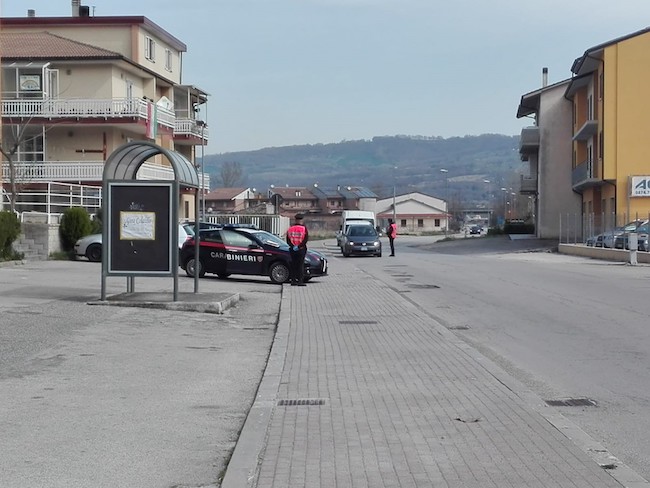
(446, 173)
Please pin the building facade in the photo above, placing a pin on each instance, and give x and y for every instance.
(610, 166)
(76, 88)
(547, 148)
(413, 213)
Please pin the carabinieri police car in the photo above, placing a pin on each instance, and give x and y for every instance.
(241, 250)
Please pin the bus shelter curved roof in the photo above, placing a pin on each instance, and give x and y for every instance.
(125, 161)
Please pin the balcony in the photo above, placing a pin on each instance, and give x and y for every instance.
(192, 131)
(528, 142)
(83, 172)
(528, 185)
(114, 109)
(587, 131)
(583, 177)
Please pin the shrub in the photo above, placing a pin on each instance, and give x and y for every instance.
(75, 224)
(9, 232)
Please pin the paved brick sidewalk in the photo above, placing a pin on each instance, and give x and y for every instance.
(381, 395)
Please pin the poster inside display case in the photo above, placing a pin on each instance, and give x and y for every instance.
(30, 82)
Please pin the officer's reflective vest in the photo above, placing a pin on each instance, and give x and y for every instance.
(296, 234)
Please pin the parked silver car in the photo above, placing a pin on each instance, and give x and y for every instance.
(90, 247)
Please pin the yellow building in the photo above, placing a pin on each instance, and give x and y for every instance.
(611, 143)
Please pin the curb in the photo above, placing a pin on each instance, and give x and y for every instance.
(243, 465)
(188, 302)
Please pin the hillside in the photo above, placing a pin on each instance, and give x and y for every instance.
(411, 163)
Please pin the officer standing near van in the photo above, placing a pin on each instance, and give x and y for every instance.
(297, 237)
(391, 232)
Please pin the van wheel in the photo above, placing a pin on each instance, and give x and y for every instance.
(279, 273)
(190, 268)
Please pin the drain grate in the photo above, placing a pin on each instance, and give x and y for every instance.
(299, 402)
(458, 327)
(358, 322)
(572, 402)
(424, 287)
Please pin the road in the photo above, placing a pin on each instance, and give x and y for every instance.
(105, 396)
(568, 327)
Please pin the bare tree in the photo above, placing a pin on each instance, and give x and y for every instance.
(9, 148)
(231, 175)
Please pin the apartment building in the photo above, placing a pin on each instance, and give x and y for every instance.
(324, 201)
(75, 88)
(610, 165)
(547, 148)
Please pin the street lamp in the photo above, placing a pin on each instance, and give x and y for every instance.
(505, 192)
(394, 209)
(446, 173)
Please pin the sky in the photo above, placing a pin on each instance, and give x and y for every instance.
(290, 72)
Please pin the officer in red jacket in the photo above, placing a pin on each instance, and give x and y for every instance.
(297, 237)
(391, 232)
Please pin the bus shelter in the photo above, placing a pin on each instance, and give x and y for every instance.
(140, 221)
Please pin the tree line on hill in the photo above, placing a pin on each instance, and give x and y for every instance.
(477, 167)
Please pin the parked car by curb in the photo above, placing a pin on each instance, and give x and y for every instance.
(90, 247)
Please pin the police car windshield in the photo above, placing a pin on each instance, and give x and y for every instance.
(270, 239)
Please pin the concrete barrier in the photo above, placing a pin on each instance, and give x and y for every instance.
(619, 255)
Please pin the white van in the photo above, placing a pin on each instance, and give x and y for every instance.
(354, 217)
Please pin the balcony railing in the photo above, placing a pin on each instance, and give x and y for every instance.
(587, 131)
(583, 176)
(82, 171)
(528, 141)
(528, 185)
(191, 128)
(85, 109)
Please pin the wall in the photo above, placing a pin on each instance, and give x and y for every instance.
(626, 108)
(556, 195)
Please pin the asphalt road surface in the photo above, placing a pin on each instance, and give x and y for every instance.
(107, 396)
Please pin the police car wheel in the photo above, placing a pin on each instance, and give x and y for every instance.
(279, 273)
(190, 266)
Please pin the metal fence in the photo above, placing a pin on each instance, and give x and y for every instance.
(275, 224)
(49, 200)
(592, 229)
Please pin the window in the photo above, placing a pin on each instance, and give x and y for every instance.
(420, 223)
(601, 85)
(402, 223)
(211, 236)
(31, 149)
(436, 223)
(149, 49)
(168, 60)
(600, 145)
(232, 238)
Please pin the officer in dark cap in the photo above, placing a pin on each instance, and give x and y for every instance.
(297, 237)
